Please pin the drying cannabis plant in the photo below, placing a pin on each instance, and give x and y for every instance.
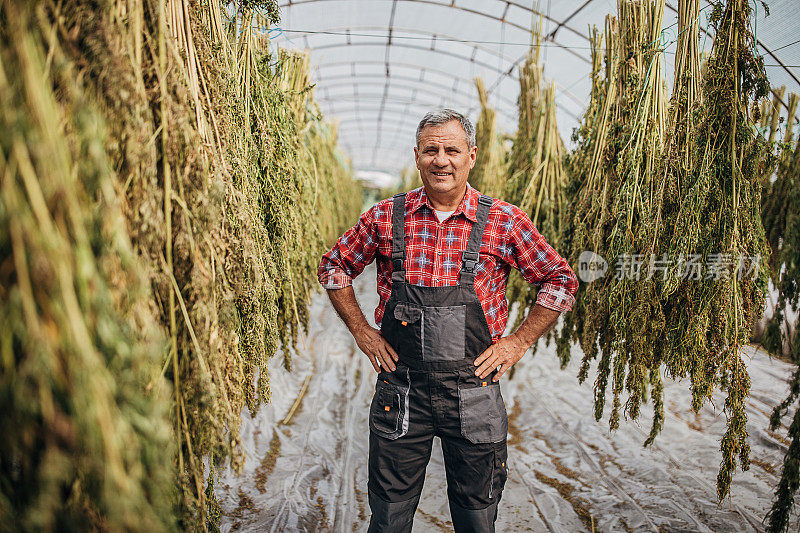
(536, 178)
(159, 173)
(781, 215)
(664, 190)
(489, 173)
(85, 444)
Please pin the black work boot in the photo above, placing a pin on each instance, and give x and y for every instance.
(473, 520)
(391, 517)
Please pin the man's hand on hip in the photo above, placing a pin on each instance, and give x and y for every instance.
(368, 338)
(504, 353)
(507, 351)
(376, 347)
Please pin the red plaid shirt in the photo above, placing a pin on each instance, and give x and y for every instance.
(433, 254)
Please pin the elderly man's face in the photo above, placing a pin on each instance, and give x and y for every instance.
(444, 158)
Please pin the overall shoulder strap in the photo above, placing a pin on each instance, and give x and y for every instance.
(470, 256)
(398, 237)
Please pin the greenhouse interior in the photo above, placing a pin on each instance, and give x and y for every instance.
(375, 265)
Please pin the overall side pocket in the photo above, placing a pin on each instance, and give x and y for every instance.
(388, 413)
(482, 413)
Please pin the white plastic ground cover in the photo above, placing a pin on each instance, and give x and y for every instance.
(562, 464)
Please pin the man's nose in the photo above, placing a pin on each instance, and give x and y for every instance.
(439, 159)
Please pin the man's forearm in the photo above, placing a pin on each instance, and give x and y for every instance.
(369, 339)
(346, 305)
(537, 323)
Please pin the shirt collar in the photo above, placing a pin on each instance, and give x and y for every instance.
(468, 205)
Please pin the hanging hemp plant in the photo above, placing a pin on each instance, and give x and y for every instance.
(781, 215)
(618, 204)
(665, 192)
(158, 174)
(770, 121)
(535, 172)
(719, 220)
(536, 176)
(489, 173)
(85, 445)
(583, 188)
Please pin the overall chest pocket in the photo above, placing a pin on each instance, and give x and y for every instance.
(483, 413)
(388, 414)
(443, 333)
(403, 329)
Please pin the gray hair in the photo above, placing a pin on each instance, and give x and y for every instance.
(444, 115)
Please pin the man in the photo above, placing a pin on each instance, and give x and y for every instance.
(443, 255)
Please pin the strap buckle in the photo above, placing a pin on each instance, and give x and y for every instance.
(469, 260)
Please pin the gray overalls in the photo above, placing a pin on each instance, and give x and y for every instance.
(437, 333)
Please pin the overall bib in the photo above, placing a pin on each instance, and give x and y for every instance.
(437, 332)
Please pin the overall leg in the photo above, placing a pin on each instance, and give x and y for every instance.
(476, 475)
(473, 427)
(397, 466)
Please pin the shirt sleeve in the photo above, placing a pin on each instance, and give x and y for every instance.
(353, 251)
(541, 265)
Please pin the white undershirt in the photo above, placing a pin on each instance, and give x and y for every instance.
(441, 215)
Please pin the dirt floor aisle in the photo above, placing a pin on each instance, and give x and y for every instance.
(566, 471)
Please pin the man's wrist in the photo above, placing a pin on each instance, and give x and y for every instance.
(522, 342)
(359, 327)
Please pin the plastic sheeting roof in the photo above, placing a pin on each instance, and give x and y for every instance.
(381, 64)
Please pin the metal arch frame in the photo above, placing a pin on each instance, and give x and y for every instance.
(413, 47)
(399, 109)
(337, 103)
(475, 47)
(419, 88)
(501, 74)
(434, 36)
(550, 36)
(334, 100)
(366, 83)
(452, 5)
(563, 24)
(393, 160)
(357, 141)
(386, 81)
(505, 59)
(420, 48)
(421, 69)
(351, 112)
(404, 79)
